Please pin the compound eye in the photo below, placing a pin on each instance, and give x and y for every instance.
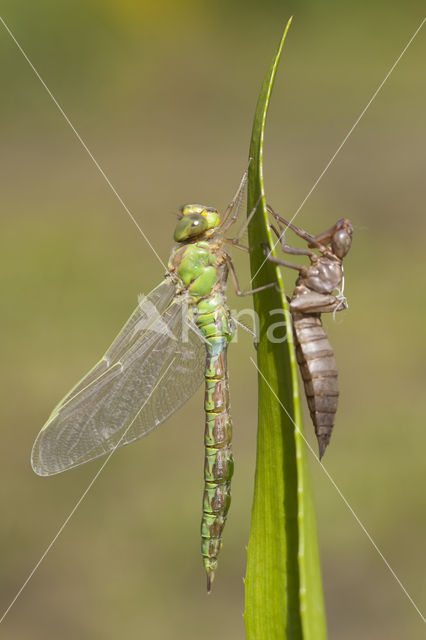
(341, 243)
(197, 220)
(190, 226)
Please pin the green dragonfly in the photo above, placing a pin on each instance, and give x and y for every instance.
(177, 336)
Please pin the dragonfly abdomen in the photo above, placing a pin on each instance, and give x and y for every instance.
(219, 463)
(319, 372)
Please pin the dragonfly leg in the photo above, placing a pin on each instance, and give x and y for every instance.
(283, 263)
(312, 241)
(288, 248)
(235, 202)
(237, 288)
(233, 242)
(246, 328)
(246, 223)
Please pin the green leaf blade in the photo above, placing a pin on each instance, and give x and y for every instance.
(283, 581)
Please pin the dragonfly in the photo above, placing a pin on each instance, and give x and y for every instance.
(319, 289)
(177, 337)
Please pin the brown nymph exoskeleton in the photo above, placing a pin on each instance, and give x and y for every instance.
(319, 289)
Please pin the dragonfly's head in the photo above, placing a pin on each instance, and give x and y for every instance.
(195, 221)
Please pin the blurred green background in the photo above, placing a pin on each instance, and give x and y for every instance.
(163, 95)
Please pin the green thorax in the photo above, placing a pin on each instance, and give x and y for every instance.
(197, 266)
(201, 269)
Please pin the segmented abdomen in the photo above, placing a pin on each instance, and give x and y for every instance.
(219, 464)
(319, 372)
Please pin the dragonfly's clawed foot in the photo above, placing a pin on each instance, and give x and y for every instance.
(266, 249)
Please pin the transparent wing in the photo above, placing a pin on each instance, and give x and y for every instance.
(155, 364)
(148, 310)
